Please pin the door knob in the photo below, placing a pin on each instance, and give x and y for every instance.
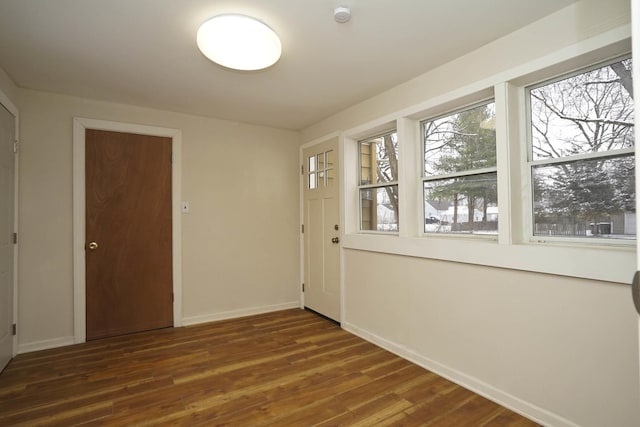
(93, 246)
(335, 240)
(635, 290)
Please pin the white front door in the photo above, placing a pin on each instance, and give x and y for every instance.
(322, 229)
(7, 164)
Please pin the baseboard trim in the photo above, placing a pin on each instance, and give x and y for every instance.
(232, 314)
(64, 341)
(45, 344)
(533, 412)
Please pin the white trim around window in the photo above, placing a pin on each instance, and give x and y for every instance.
(514, 247)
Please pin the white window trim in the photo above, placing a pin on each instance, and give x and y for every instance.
(513, 249)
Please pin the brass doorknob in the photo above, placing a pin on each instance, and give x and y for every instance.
(93, 246)
(335, 240)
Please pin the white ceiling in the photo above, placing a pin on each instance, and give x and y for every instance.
(143, 52)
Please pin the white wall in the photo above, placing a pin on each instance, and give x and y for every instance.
(240, 240)
(561, 349)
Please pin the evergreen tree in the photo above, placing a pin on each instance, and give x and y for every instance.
(466, 141)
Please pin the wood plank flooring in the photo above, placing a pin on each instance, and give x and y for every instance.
(289, 368)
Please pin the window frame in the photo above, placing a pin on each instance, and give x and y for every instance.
(471, 172)
(529, 163)
(375, 186)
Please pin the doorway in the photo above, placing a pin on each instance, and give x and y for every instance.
(85, 251)
(322, 228)
(128, 230)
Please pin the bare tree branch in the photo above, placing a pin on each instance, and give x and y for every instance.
(625, 76)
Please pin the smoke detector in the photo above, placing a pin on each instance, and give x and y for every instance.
(342, 14)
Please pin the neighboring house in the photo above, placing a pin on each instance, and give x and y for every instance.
(387, 220)
(434, 209)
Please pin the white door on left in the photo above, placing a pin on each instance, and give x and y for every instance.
(7, 168)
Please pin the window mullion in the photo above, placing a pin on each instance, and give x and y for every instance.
(503, 162)
(410, 211)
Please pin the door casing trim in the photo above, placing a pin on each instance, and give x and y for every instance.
(79, 220)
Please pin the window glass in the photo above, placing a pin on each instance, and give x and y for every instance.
(587, 113)
(379, 208)
(311, 167)
(460, 179)
(581, 157)
(320, 170)
(379, 159)
(320, 160)
(378, 177)
(460, 142)
(466, 204)
(330, 170)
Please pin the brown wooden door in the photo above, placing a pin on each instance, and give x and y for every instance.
(128, 230)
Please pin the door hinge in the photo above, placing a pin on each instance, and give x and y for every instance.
(303, 287)
(302, 170)
(15, 238)
(14, 329)
(302, 228)
(15, 147)
(173, 299)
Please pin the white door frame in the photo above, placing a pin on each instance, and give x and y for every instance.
(79, 231)
(6, 102)
(341, 168)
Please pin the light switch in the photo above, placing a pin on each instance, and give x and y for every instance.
(185, 207)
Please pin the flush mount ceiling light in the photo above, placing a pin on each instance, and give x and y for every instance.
(239, 42)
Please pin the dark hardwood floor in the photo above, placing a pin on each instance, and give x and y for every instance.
(289, 368)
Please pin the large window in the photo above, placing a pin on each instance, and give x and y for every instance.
(378, 178)
(581, 154)
(459, 174)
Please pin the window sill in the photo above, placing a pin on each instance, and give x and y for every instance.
(378, 233)
(611, 264)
